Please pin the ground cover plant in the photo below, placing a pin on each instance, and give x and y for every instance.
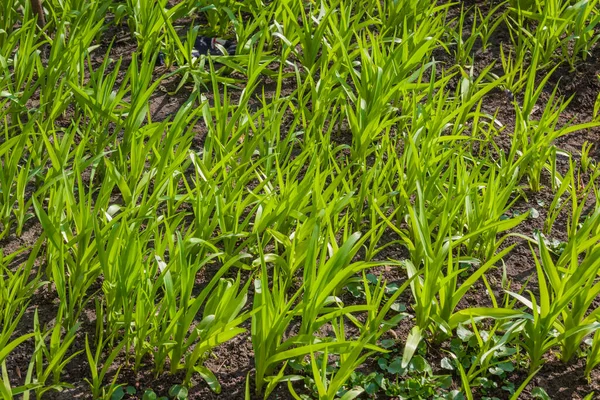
(368, 199)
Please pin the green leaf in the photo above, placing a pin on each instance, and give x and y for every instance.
(509, 387)
(539, 393)
(11, 346)
(296, 365)
(210, 378)
(463, 333)
(506, 366)
(420, 364)
(118, 394)
(517, 393)
(456, 395)
(355, 289)
(380, 380)
(391, 288)
(352, 394)
(346, 346)
(149, 395)
(413, 340)
(485, 312)
(372, 279)
(178, 392)
(371, 388)
(533, 213)
(444, 381)
(447, 364)
(395, 366)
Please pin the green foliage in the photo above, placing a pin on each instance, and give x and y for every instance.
(290, 195)
(555, 26)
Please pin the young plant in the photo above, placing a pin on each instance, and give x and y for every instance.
(98, 373)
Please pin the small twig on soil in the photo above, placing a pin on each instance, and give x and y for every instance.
(36, 5)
